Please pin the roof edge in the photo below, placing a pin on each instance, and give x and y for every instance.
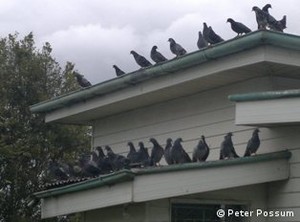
(267, 95)
(128, 175)
(228, 47)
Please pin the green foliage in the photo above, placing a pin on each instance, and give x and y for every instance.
(29, 76)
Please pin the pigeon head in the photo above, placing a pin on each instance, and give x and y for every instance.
(154, 47)
(171, 40)
(114, 66)
(169, 140)
(152, 140)
(141, 144)
(203, 137)
(255, 8)
(256, 131)
(130, 144)
(205, 25)
(107, 148)
(133, 52)
(230, 20)
(267, 6)
(229, 134)
(179, 139)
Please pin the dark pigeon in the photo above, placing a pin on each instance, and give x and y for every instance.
(157, 152)
(201, 43)
(83, 82)
(201, 151)
(132, 155)
(210, 36)
(167, 151)
(118, 161)
(144, 157)
(119, 72)
(227, 149)
(261, 17)
(100, 152)
(140, 60)
(103, 161)
(176, 49)
(157, 56)
(273, 24)
(253, 143)
(88, 165)
(238, 27)
(178, 154)
(57, 171)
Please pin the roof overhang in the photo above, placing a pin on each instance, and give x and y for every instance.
(267, 108)
(129, 186)
(259, 53)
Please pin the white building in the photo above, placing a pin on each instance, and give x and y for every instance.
(234, 86)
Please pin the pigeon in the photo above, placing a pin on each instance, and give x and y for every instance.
(167, 152)
(282, 22)
(227, 150)
(133, 155)
(83, 82)
(253, 143)
(157, 152)
(201, 151)
(178, 154)
(144, 157)
(140, 60)
(210, 36)
(157, 56)
(201, 43)
(273, 24)
(100, 152)
(118, 161)
(57, 171)
(261, 17)
(88, 165)
(176, 49)
(238, 27)
(119, 72)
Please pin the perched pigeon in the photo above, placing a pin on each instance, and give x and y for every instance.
(176, 48)
(210, 36)
(178, 154)
(157, 152)
(100, 152)
(88, 166)
(144, 157)
(133, 155)
(140, 60)
(167, 152)
(118, 161)
(119, 72)
(261, 17)
(253, 143)
(83, 82)
(227, 150)
(57, 171)
(273, 24)
(201, 151)
(201, 43)
(157, 56)
(238, 27)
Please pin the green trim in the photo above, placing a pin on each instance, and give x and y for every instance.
(128, 175)
(105, 180)
(265, 95)
(251, 40)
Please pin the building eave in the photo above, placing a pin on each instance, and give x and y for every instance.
(232, 46)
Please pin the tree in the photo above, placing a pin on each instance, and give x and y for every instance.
(29, 76)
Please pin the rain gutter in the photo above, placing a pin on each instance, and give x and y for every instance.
(225, 48)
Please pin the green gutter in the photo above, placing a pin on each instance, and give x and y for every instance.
(128, 175)
(109, 179)
(265, 95)
(235, 45)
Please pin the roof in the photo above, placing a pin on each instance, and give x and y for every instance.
(268, 95)
(127, 175)
(251, 40)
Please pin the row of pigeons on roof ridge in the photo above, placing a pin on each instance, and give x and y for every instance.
(97, 163)
(205, 39)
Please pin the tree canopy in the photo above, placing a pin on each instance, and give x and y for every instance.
(27, 76)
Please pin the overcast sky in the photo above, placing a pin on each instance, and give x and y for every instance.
(95, 34)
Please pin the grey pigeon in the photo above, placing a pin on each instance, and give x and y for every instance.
(133, 155)
(100, 152)
(157, 152)
(103, 162)
(238, 27)
(201, 43)
(157, 56)
(227, 149)
(119, 72)
(167, 151)
(178, 154)
(57, 171)
(83, 82)
(118, 161)
(253, 143)
(273, 24)
(201, 151)
(210, 36)
(144, 157)
(261, 17)
(89, 166)
(140, 60)
(176, 49)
